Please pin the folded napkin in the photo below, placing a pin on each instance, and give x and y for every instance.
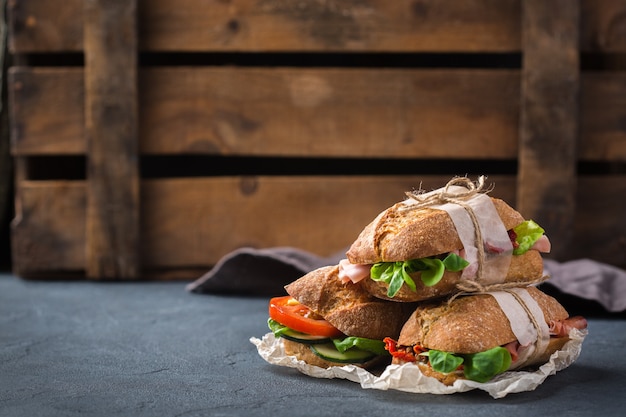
(265, 272)
(262, 272)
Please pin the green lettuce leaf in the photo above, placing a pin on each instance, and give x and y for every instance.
(443, 362)
(371, 345)
(395, 274)
(479, 367)
(483, 366)
(276, 328)
(527, 234)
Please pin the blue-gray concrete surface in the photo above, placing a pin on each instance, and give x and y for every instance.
(153, 349)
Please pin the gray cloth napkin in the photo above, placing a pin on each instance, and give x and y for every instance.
(265, 272)
(589, 280)
(262, 272)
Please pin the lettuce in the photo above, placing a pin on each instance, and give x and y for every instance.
(370, 345)
(276, 328)
(395, 274)
(527, 234)
(443, 362)
(483, 366)
(479, 367)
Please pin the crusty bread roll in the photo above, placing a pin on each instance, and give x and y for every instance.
(469, 324)
(400, 235)
(348, 307)
(472, 324)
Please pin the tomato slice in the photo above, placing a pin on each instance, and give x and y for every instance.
(289, 312)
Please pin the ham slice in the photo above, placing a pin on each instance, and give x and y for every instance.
(353, 272)
(563, 327)
(542, 245)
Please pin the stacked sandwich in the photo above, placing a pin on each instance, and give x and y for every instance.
(445, 281)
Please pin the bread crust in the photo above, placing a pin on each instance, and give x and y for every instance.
(524, 268)
(469, 324)
(399, 235)
(472, 324)
(348, 307)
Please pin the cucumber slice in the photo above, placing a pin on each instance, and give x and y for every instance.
(307, 339)
(328, 352)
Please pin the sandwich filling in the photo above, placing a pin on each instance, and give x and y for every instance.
(296, 322)
(524, 237)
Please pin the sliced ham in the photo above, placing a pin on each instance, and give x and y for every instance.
(563, 327)
(542, 245)
(513, 347)
(353, 272)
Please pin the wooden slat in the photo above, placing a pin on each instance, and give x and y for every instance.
(602, 117)
(312, 25)
(599, 229)
(549, 118)
(331, 112)
(282, 25)
(112, 145)
(296, 112)
(47, 114)
(192, 222)
(48, 230)
(603, 26)
(182, 228)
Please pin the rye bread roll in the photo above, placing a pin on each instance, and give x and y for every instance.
(472, 324)
(401, 235)
(348, 307)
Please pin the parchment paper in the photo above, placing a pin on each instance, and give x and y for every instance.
(409, 378)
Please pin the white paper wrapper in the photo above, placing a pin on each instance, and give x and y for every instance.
(409, 378)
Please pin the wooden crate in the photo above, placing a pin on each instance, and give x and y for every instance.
(151, 138)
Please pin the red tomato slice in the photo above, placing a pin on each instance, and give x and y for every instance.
(288, 312)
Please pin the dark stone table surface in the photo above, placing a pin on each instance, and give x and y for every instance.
(76, 348)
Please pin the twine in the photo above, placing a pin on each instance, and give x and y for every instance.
(445, 196)
(534, 321)
(468, 286)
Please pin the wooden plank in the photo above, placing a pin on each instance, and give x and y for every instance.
(603, 112)
(546, 189)
(112, 145)
(331, 112)
(45, 26)
(47, 114)
(48, 230)
(312, 25)
(290, 112)
(253, 26)
(282, 25)
(603, 26)
(184, 231)
(193, 222)
(599, 229)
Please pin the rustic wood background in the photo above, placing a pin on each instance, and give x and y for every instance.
(150, 138)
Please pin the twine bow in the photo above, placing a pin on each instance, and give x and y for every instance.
(444, 195)
(459, 197)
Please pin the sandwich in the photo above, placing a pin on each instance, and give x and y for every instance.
(479, 336)
(325, 322)
(434, 244)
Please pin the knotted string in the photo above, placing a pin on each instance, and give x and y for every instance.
(460, 198)
(468, 286)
